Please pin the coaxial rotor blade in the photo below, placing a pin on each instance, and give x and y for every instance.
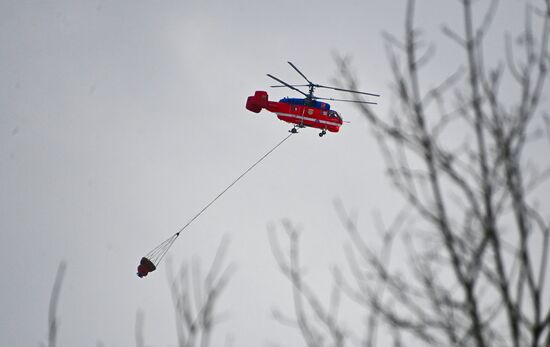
(294, 85)
(287, 85)
(343, 100)
(300, 72)
(345, 90)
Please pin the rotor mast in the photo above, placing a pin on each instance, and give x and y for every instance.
(310, 84)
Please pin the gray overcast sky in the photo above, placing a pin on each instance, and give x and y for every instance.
(120, 119)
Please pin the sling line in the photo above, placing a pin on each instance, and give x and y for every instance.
(156, 255)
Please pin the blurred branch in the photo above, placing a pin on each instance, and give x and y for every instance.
(139, 329)
(482, 185)
(477, 256)
(318, 324)
(54, 299)
(195, 298)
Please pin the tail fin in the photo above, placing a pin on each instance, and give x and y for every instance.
(257, 102)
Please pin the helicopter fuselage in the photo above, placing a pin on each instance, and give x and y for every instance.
(301, 112)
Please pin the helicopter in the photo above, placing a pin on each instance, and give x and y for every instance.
(303, 112)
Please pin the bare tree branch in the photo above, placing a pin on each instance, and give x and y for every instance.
(477, 252)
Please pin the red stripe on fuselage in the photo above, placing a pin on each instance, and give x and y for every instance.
(304, 115)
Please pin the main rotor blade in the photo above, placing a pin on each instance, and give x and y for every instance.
(287, 85)
(294, 85)
(355, 101)
(300, 72)
(346, 90)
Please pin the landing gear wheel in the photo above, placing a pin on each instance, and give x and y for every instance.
(293, 131)
(322, 133)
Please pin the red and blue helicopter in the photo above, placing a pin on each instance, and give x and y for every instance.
(303, 112)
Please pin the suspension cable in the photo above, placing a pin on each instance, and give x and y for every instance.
(160, 251)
